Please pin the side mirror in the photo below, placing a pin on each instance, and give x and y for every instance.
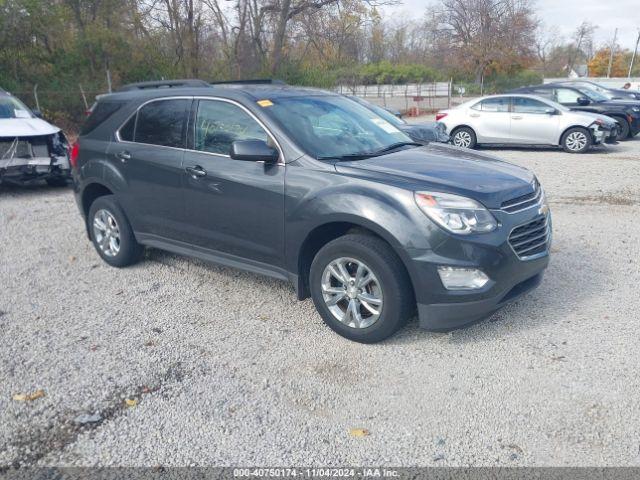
(253, 151)
(583, 101)
(550, 111)
(37, 113)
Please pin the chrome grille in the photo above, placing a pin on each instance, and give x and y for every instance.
(530, 239)
(522, 202)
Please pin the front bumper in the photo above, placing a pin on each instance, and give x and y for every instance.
(510, 276)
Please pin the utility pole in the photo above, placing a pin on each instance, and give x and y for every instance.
(633, 57)
(613, 47)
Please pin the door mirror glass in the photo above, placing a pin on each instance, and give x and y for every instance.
(253, 151)
(583, 101)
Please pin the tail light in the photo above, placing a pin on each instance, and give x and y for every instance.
(73, 155)
(440, 116)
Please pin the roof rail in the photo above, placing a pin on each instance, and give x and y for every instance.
(255, 81)
(163, 84)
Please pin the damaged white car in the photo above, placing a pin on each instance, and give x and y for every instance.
(30, 148)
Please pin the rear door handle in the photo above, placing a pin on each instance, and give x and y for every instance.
(517, 117)
(123, 156)
(196, 172)
(474, 115)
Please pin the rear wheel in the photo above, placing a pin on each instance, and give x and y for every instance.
(576, 140)
(111, 233)
(360, 288)
(464, 137)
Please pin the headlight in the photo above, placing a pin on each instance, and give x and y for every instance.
(455, 213)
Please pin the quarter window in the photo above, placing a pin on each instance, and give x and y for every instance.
(219, 124)
(162, 122)
(127, 130)
(528, 105)
(493, 105)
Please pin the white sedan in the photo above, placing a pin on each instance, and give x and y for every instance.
(518, 119)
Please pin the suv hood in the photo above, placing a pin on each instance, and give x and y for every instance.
(25, 127)
(444, 168)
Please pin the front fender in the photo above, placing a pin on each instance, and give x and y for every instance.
(388, 211)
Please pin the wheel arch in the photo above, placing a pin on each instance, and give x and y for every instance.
(566, 130)
(90, 194)
(323, 233)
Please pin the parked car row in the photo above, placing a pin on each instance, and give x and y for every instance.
(571, 115)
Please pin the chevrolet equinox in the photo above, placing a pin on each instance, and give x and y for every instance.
(309, 186)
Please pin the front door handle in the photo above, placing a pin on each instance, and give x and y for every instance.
(123, 156)
(516, 117)
(196, 172)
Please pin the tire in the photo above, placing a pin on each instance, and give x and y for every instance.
(389, 283)
(107, 211)
(576, 140)
(464, 137)
(625, 130)
(56, 181)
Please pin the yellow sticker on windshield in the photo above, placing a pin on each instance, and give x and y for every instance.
(265, 103)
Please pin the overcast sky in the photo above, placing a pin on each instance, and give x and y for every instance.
(566, 15)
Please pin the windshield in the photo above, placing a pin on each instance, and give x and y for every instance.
(333, 126)
(592, 94)
(11, 107)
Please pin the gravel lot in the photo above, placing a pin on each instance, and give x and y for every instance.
(228, 368)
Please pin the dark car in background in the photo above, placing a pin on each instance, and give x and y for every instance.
(424, 132)
(610, 93)
(626, 113)
(311, 187)
(31, 149)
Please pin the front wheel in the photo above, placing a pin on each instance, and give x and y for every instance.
(576, 140)
(360, 288)
(623, 125)
(464, 137)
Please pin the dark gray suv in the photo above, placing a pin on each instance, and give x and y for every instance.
(311, 187)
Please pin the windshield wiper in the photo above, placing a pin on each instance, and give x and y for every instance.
(393, 146)
(347, 156)
(375, 153)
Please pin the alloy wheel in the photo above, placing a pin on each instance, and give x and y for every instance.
(352, 292)
(462, 139)
(106, 232)
(576, 141)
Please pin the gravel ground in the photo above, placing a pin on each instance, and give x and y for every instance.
(227, 368)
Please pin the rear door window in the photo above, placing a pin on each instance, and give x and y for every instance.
(162, 122)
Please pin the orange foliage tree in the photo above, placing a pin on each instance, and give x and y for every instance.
(599, 64)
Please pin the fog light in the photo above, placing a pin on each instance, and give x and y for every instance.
(454, 278)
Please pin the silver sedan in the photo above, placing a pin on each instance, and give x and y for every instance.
(525, 120)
